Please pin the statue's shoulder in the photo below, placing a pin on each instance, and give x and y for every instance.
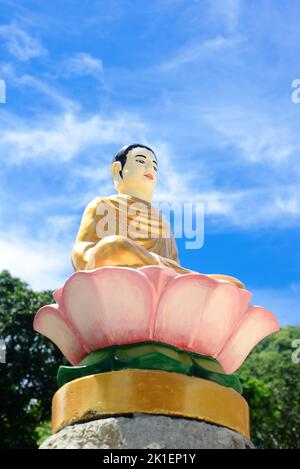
(90, 210)
(93, 204)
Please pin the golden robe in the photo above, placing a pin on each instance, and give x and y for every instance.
(138, 235)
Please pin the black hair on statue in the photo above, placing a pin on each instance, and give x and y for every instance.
(121, 155)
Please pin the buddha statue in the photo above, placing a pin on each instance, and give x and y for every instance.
(125, 229)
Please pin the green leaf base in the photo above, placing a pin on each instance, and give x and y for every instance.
(149, 356)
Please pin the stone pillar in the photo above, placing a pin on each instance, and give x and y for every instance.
(146, 431)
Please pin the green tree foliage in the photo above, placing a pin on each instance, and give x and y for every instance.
(271, 383)
(28, 380)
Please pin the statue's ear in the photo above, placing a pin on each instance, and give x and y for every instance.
(115, 169)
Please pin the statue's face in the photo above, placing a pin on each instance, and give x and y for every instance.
(140, 171)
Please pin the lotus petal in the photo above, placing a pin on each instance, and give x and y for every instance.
(159, 277)
(49, 322)
(57, 295)
(255, 325)
(199, 313)
(109, 306)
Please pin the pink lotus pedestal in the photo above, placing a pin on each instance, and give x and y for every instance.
(120, 305)
(192, 320)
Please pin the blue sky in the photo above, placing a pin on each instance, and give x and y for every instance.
(206, 83)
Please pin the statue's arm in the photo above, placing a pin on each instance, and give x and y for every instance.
(87, 237)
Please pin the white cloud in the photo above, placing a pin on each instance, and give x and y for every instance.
(51, 92)
(20, 44)
(59, 226)
(83, 64)
(40, 251)
(8, 72)
(226, 12)
(62, 138)
(258, 137)
(196, 51)
(170, 179)
(44, 265)
(288, 205)
(66, 137)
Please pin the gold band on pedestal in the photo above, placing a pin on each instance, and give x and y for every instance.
(149, 392)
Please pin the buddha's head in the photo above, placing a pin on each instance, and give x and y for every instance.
(134, 171)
